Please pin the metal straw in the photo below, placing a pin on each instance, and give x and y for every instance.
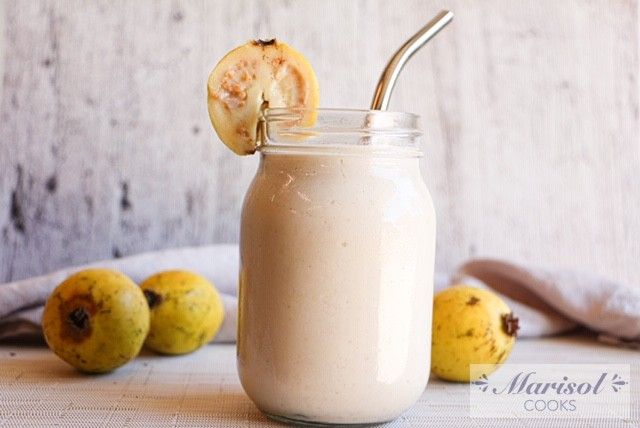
(394, 67)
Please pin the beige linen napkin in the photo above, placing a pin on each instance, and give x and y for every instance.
(552, 301)
(22, 302)
(547, 301)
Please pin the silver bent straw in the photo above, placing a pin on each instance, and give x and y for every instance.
(394, 67)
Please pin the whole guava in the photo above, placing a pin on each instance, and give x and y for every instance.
(186, 311)
(470, 326)
(96, 320)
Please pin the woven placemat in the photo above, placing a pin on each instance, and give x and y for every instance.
(203, 390)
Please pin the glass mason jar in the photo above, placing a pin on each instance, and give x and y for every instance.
(336, 278)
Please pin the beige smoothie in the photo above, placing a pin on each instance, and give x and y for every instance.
(337, 254)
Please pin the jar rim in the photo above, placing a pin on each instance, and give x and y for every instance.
(340, 131)
(274, 112)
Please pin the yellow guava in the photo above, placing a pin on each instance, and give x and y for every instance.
(96, 320)
(470, 326)
(186, 311)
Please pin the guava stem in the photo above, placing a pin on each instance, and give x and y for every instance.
(153, 298)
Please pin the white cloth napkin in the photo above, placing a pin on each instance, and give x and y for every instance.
(546, 301)
(552, 301)
(22, 302)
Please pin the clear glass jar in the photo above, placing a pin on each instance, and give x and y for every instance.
(337, 255)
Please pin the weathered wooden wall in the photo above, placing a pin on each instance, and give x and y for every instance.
(530, 112)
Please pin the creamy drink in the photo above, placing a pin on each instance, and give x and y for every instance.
(337, 245)
(337, 253)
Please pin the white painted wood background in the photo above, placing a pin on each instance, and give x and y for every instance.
(530, 112)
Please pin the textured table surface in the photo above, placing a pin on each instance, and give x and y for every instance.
(202, 389)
